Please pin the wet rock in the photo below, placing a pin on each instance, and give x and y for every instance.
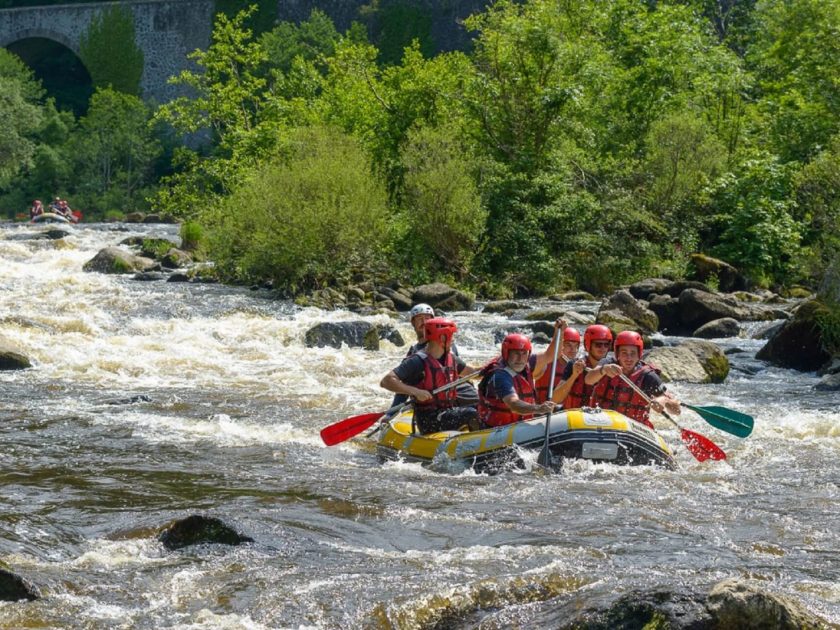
(675, 289)
(439, 295)
(829, 383)
(744, 296)
(798, 344)
(700, 307)
(501, 306)
(718, 328)
(643, 289)
(736, 604)
(12, 359)
(616, 321)
(544, 315)
(730, 351)
(14, 588)
(692, 361)
(116, 260)
(391, 334)
(830, 368)
(175, 259)
(768, 330)
(357, 334)
(200, 530)
(140, 398)
(178, 277)
(730, 605)
(400, 297)
(540, 338)
(667, 309)
(148, 276)
(623, 303)
(54, 234)
(134, 217)
(708, 268)
(572, 296)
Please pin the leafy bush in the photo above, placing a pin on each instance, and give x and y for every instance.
(304, 220)
(192, 235)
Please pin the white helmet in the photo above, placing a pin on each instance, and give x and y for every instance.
(420, 309)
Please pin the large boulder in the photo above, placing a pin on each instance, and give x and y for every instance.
(623, 302)
(442, 296)
(694, 361)
(200, 530)
(798, 344)
(12, 359)
(357, 334)
(117, 260)
(502, 306)
(675, 289)
(14, 588)
(708, 268)
(643, 289)
(729, 605)
(667, 309)
(701, 307)
(718, 329)
(175, 259)
(736, 604)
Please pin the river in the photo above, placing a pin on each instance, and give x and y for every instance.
(150, 401)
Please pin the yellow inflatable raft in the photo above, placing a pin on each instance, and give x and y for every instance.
(595, 434)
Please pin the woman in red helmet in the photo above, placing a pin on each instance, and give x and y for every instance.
(570, 340)
(506, 393)
(581, 378)
(619, 396)
(428, 369)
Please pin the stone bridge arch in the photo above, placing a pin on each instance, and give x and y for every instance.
(165, 30)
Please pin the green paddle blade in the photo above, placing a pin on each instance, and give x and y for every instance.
(729, 420)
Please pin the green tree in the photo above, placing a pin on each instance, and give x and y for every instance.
(113, 151)
(442, 209)
(110, 53)
(20, 117)
(232, 102)
(312, 40)
(795, 55)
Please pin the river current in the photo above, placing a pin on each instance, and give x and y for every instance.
(151, 401)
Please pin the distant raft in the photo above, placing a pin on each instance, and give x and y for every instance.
(595, 434)
(49, 217)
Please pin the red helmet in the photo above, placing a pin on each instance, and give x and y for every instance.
(570, 334)
(440, 330)
(596, 332)
(629, 338)
(515, 341)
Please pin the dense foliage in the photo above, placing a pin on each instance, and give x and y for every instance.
(577, 144)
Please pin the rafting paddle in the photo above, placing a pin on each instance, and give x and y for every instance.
(544, 458)
(349, 427)
(698, 445)
(729, 420)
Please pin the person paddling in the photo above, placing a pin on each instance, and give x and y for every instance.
(568, 350)
(578, 386)
(622, 397)
(507, 393)
(37, 209)
(431, 368)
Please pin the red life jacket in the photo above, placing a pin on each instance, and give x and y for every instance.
(581, 394)
(492, 410)
(435, 375)
(543, 383)
(620, 397)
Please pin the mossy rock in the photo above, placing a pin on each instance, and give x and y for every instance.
(155, 248)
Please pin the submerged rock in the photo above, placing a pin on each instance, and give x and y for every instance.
(11, 359)
(736, 604)
(200, 530)
(358, 334)
(14, 588)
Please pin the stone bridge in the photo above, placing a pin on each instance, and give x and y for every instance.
(165, 30)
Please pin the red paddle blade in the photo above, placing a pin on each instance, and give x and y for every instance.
(347, 428)
(701, 447)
